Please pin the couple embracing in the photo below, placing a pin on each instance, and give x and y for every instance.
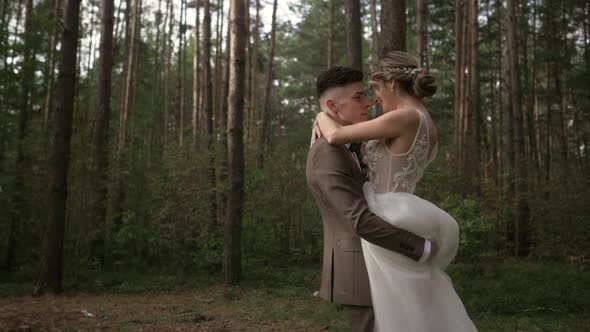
(385, 249)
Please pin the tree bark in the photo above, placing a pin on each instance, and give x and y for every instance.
(52, 257)
(223, 169)
(208, 102)
(196, 77)
(470, 171)
(129, 96)
(219, 75)
(520, 223)
(157, 78)
(233, 226)
(91, 41)
(493, 149)
(331, 33)
(264, 132)
(179, 103)
(375, 28)
(475, 93)
(458, 71)
(103, 114)
(168, 47)
(421, 32)
(253, 107)
(393, 21)
(207, 80)
(48, 106)
(354, 51)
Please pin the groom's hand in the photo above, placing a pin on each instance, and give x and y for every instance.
(433, 250)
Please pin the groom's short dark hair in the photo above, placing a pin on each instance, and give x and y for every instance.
(335, 77)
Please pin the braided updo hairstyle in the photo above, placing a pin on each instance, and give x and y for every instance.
(404, 68)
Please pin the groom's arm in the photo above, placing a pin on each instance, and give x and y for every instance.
(341, 192)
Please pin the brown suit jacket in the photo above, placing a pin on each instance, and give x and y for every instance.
(336, 183)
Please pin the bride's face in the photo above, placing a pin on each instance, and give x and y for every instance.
(384, 96)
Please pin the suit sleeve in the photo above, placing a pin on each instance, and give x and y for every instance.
(346, 198)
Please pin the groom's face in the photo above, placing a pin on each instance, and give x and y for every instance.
(351, 104)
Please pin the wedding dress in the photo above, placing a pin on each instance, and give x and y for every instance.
(409, 296)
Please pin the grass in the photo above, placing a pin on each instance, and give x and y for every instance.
(499, 296)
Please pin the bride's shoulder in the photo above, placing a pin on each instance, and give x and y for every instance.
(407, 117)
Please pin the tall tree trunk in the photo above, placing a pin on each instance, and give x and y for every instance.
(118, 21)
(253, 107)
(223, 169)
(221, 119)
(354, 51)
(421, 32)
(375, 30)
(208, 102)
(18, 202)
(196, 78)
(207, 79)
(470, 171)
(233, 227)
(50, 81)
(264, 132)
(179, 102)
(475, 93)
(127, 41)
(52, 257)
(548, 133)
(458, 71)
(521, 216)
(157, 77)
(101, 133)
(91, 41)
(466, 103)
(586, 135)
(493, 150)
(3, 84)
(166, 108)
(530, 85)
(129, 96)
(393, 23)
(330, 33)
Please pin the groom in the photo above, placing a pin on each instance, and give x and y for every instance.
(335, 178)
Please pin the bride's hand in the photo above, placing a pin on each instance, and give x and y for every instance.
(327, 125)
(316, 133)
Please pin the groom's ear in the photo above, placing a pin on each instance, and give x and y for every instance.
(330, 106)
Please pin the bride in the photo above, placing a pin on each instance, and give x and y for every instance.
(407, 296)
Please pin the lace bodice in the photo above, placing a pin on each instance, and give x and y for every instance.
(391, 172)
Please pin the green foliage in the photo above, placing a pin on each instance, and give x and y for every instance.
(279, 205)
(520, 287)
(475, 227)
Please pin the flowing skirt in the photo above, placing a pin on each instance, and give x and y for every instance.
(409, 296)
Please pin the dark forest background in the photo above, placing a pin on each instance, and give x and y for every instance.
(150, 175)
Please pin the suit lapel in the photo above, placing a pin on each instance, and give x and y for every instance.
(357, 166)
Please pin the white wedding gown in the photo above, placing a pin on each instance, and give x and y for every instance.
(409, 296)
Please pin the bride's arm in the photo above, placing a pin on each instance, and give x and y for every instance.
(389, 125)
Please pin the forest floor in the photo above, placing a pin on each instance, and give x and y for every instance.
(506, 297)
(189, 310)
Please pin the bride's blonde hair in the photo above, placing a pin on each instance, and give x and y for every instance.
(403, 68)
